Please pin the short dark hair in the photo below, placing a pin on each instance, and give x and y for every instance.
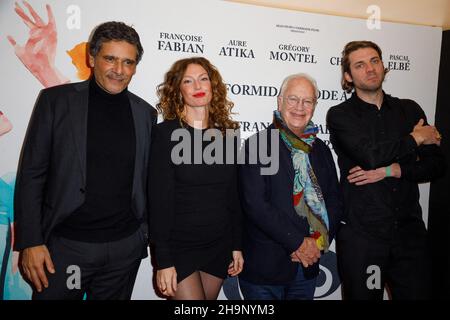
(345, 67)
(114, 31)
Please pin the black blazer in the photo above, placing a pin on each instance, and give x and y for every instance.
(51, 176)
(272, 228)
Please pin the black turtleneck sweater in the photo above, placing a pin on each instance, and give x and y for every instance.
(106, 214)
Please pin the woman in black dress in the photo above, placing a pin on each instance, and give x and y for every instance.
(195, 214)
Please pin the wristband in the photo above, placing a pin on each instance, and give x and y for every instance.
(388, 171)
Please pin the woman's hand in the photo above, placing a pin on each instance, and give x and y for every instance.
(237, 264)
(166, 280)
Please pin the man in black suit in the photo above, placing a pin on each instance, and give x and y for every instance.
(291, 213)
(80, 201)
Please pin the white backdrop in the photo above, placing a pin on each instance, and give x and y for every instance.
(253, 47)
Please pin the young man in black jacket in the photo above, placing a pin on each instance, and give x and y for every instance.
(385, 148)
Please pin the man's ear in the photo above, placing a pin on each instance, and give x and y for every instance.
(348, 77)
(91, 61)
(279, 100)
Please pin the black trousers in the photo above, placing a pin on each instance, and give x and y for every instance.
(403, 265)
(101, 271)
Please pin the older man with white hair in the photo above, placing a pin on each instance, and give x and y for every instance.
(291, 215)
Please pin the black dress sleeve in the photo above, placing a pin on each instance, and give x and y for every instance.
(235, 208)
(161, 196)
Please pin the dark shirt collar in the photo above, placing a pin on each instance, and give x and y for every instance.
(99, 91)
(359, 103)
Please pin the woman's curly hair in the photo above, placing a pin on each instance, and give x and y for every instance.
(171, 103)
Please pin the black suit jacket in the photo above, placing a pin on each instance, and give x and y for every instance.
(51, 176)
(272, 229)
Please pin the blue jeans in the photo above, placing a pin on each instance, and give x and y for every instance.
(299, 289)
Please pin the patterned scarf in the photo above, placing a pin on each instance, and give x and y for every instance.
(307, 195)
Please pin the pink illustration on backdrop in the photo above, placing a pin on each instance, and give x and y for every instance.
(5, 124)
(38, 53)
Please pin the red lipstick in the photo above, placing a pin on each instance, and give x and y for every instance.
(199, 95)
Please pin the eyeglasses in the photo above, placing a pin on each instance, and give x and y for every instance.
(293, 101)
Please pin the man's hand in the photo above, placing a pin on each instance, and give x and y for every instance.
(166, 280)
(361, 177)
(33, 261)
(426, 134)
(308, 253)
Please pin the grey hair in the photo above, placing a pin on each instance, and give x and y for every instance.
(299, 76)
